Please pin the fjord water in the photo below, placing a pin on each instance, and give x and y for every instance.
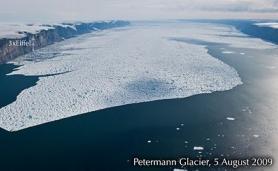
(109, 139)
(11, 86)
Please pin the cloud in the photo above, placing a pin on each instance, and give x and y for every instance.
(246, 6)
(219, 5)
(38, 10)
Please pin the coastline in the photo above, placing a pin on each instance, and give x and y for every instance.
(10, 48)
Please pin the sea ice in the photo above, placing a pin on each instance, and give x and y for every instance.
(121, 66)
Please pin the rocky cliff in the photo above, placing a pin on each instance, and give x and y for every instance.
(11, 48)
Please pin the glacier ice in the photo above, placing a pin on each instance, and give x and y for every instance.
(121, 66)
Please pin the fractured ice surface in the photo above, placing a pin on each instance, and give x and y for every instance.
(121, 66)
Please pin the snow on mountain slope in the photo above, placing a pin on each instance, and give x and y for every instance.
(13, 31)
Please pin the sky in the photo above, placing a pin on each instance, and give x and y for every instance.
(88, 10)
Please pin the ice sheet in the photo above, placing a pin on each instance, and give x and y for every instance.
(121, 66)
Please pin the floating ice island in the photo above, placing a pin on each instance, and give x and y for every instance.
(134, 64)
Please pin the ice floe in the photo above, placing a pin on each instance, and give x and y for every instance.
(227, 52)
(256, 136)
(271, 67)
(230, 118)
(198, 148)
(122, 66)
(247, 109)
(268, 24)
(180, 170)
